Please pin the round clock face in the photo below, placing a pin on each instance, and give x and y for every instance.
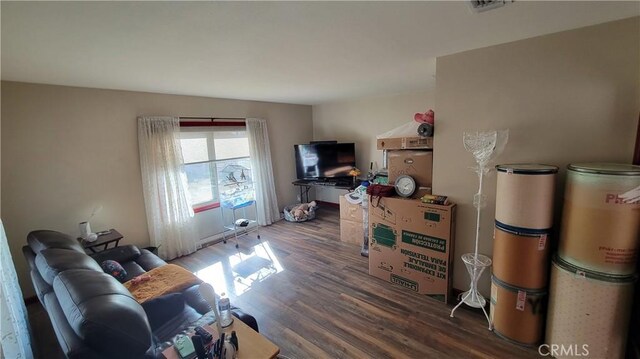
(405, 186)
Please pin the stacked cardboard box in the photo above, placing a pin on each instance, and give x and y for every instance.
(411, 156)
(412, 245)
(405, 143)
(414, 163)
(351, 222)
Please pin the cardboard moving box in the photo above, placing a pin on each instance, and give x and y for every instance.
(350, 211)
(351, 222)
(412, 245)
(351, 231)
(405, 143)
(415, 163)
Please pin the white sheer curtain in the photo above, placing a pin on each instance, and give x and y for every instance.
(169, 213)
(260, 152)
(15, 341)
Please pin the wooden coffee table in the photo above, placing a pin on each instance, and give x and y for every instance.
(252, 344)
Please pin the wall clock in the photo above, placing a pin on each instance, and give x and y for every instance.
(405, 186)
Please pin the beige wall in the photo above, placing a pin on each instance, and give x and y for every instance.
(360, 121)
(568, 97)
(67, 149)
(0, 162)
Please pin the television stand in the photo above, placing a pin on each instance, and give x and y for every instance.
(305, 186)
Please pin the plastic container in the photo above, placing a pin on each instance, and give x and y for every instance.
(521, 257)
(517, 314)
(224, 308)
(587, 308)
(599, 231)
(524, 195)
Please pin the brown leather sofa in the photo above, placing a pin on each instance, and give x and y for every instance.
(93, 314)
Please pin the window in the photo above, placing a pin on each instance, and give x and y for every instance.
(217, 166)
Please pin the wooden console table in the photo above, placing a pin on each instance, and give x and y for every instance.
(251, 344)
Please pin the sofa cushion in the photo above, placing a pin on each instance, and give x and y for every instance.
(103, 313)
(148, 260)
(51, 262)
(41, 287)
(120, 254)
(133, 270)
(30, 257)
(44, 239)
(72, 346)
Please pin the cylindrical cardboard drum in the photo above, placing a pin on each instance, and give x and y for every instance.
(524, 195)
(521, 257)
(586, 308)
(517, 314)
(599, 230)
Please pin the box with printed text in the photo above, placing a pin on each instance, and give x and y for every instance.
(412, 245)
(415, 163)
(404, 143)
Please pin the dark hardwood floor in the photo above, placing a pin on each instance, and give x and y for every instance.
(320, 301)
(317, 300)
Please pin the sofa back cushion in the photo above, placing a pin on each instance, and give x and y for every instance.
(103, 313)
(43, 239)
(122, 254)
(51, 262)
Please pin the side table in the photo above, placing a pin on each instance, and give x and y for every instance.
(103, 240)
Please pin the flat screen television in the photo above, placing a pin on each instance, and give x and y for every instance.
(322, 161)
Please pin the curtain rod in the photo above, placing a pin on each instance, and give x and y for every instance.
(185, 121)
(211, 118)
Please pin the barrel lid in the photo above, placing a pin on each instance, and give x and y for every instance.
(530, 232)
(619, 169)
(512, 288)
(527, 168)
(582, 272)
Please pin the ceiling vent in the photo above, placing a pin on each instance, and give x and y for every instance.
(485, 5)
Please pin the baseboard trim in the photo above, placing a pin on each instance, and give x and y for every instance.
(328, 204)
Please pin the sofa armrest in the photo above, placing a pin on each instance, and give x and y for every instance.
(194, 299)
(162, 309)
(148, 260)
(121, 254)
(246, 319)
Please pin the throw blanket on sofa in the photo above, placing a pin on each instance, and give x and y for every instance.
(163, 280)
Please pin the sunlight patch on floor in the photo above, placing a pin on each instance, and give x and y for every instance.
(236, 274)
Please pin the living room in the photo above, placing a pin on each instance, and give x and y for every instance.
(562, 77)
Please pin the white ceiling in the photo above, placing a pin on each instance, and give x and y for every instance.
(294, 52)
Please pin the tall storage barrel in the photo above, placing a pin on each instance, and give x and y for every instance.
(524, 195)
(587, 308)
(599, 231)
(521, 257)
(517, 314)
